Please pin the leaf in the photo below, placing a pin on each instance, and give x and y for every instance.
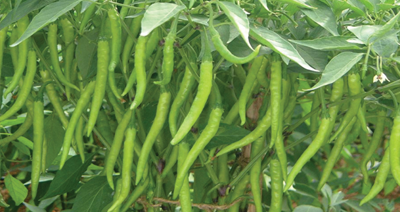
(390, 185)
(47, 15)
(278, 44)
(227, 134)
(2, 202)
(299, 3)
(363, 32)
(11, 122)
(26, 142)
(46, 202)
(67, 179)
(16, 189)
(383, 31)
(264, 4)
(55, 137)
(238, 18)
(25, 8)
(307, 208)
(34, 208)
(316, 58)
(157, 14)
(386, 46)
(323, 16)
(93, 196)
(305, 190)
(196, 18)
(86, 53)
(338, 67)
(22, 148)
(368, 5)
(356, 206)
(328, 43)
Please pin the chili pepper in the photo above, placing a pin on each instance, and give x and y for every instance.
(116, 146)
(185, 88)
(103, 127)
(184, 194)
(158, 124)
(375, 142)
(87, 16)
(314, 118)
(354, 84)
(69, 133)
(203, 91)
(255, 172)
(130, 135)
(223, 50)
(69, 38)
(115, 26)
(250, 79)
(44, 155)
(335, 154)
(52, 42)
(262, 75)
(240, 73)
(3, 35)
(78, 135)
(324, 130)
(20, 131)
(117, 194)
(139, 190)
(380, 180)
(53, 97)
(22, 56)
(394, 148)
(237, 192)
(38, 136)
(124, 10)
(276, 186)
(277, 103)
(14, 50)
(208, 133)
(173, 157)
(103, 50)
(25, 88)
(140, 69)
(116, 105)
(168, 55)
(134, 29)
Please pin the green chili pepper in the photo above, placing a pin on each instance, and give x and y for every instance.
(3, 35)
(103, 50)
(168, 55)
(394, 148)
(25, 88)
(203, 91)
(22, 56)
(52, 42)
(374, 144)
(380, 180)
(69, 133)
(246, 91)
(140, 69)
(158, 124)
(255, 172)
(68, 57)
(276, 186)
(116, 146)
(223, 50)
(324, 130)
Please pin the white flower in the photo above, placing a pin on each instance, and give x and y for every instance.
(381, 78)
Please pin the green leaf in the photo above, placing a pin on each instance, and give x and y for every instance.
(11, 122)
(306, 190)
(278, 44)
(299, 3)
(196, 18)
(2, 202)
(316, 58)
(26, 142)
(384, 30)
(364, 32)
(22, 148)
(23, 9)
(227, 134)
(264, 4)
(34, 208)
(86, 53)
(386, 46)
(338, 67)
(46, 202)
(390, 185)
(54, 136)
(47, 15)
(67, 179)
(238, 18)
(340, 5)
(93, 196)
(323, 16)
(329, 43)
(16, 189)
(157, 14)
(356, 206)
(368, 5)
(307, 208)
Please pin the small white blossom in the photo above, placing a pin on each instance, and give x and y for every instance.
(381, 78)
